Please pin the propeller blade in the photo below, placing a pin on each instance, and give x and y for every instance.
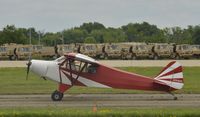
(28, 69)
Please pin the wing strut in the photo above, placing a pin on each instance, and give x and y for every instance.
(71, 71)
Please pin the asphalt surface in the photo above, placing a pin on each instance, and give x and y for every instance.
(102, 100)
(119, 63)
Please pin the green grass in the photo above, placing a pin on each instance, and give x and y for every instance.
(103, 112)
(12, 81)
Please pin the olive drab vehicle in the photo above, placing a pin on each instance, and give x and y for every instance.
(161, 50)
(23, 51)
(113, 50)
(125, 50)
(87, 49)
(182, 51)
(196, 51)
(48, 51)
(66, 48)
(11, 51)
(3, 52)
(36, 50)
(141, 50)
(137, 50)
(99, 50)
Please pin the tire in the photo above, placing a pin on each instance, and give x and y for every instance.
(155, 57)
(56, 96)
(177, 57)
(13, 57)
(134, 57)
(105, 56)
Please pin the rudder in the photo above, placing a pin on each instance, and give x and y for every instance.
(171, 75)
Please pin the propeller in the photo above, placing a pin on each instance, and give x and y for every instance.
(28, 68)
(30, 57)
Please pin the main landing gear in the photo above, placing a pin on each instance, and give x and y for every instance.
(56, 96)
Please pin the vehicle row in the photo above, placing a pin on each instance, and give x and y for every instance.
(129, 50)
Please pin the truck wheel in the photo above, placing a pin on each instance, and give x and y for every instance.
(155, 57)
(105, 56)
(177, 57)
(12, 57)
(56, 96)
(134, 57)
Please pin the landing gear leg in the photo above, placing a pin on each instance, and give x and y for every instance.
(174, 97)
(56, 96)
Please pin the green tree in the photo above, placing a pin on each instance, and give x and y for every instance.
(75, 35)
(10, 34)
(51, 39)
(196, 35)
(89, 40)
(92, 26)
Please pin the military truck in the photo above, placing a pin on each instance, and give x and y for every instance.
(99, 50)
(88, 49)
(66, 48)
(139, 50)
(182, 51)
(196, 51)
(23, 51)
(11, 51)
(161, 50)
(48, 52)
(112, 51)
(3, 52)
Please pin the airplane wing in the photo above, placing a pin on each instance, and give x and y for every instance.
(81, 57)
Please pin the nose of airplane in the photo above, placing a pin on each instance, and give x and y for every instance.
(39, 67)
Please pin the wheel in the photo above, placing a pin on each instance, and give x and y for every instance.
(155, 57)
(177, 57)
(57, 96)
(134, 57)
(175, 98)
(105, 56)
(13, 57)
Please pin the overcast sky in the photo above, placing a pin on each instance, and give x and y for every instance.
(56, 15)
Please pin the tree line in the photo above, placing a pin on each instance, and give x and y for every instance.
(94, 32)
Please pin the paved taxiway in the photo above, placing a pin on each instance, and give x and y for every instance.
(102, 100)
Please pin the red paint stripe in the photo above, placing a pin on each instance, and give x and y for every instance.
(170, 64)
(178, 80)
(63, 87)
(176, 70)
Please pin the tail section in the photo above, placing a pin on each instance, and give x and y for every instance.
(171, 76)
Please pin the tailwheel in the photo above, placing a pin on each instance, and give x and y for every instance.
(174, 97)
(56, 96)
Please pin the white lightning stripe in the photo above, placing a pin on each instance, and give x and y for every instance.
(87, 82)
(91, 83)
(174, 66)
(175, 85)
(177, 75)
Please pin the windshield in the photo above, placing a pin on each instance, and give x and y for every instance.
(37, 47)
(2, 49)
(24, 49)
(60, 59)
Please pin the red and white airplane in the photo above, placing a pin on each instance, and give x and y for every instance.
(75, 69)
